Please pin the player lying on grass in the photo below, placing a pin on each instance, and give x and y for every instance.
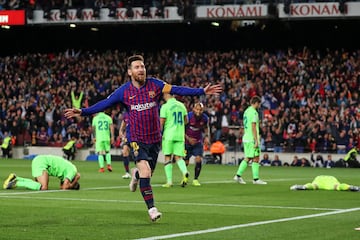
(42, 167)
(324, 182)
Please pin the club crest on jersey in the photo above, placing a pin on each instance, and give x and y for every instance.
(152, 94)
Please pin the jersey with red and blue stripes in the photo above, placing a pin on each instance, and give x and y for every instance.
(142, 105)
(195, 126)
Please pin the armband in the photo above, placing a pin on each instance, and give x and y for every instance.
(167, 88)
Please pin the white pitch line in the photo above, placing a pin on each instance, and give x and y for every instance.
(122, 187)
(169, 203)
(249, 225)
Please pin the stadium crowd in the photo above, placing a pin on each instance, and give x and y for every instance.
(310, 99)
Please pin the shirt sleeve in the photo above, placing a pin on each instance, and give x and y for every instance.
(186, 91)
(116, 97)
(178, 90)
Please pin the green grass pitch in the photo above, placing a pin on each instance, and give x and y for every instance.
(104, 208)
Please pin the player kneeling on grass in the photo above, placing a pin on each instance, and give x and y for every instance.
(324, 182)
(42, 167)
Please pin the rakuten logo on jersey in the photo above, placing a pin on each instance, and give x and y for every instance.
(144, 106)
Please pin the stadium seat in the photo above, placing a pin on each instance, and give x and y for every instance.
(278, 149)
(341, 149)
(299, 149)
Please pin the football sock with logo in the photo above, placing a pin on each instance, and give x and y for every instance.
(168, 171)
(146, 191)
(27, 183)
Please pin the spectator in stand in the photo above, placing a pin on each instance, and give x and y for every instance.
(318, 162)
(329, 163)
(268, 140)
(327, 144)
(276, 162)
(225, 122)
(62, 129)
(300, 138)
(312, 144)
(277, 130)
(295, 162)
(305, 162)
(314, 137)
(42, 137)
(342, 141)
(350, 145)
(49, 115)
(232, 140)
(234, 115)
(290, 134)
(56, 140)
(266, 160)
(76, 99)
(85, 137)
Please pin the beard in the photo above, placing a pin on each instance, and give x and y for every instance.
(198, 116)
(140, 79)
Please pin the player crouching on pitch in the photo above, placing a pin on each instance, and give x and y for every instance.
(42, 167)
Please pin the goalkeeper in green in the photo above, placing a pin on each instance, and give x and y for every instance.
(325, 182)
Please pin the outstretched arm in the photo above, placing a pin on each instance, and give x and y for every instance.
(187, 91)
(114, 98)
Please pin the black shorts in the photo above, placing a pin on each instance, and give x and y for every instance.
(143, 151)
